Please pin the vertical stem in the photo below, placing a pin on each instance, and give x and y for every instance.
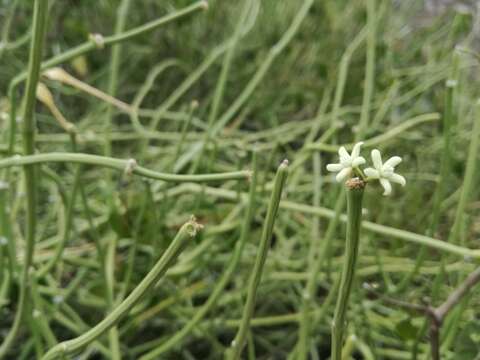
(217, 291)
(222, 81)
(308, 296)
(116, 53)
(355, 188)
(36, 47)
(369, 68)
(238, 343)
(439, 194)
(468, 178)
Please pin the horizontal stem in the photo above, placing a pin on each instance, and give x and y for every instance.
(118, 164)
(387, 231)
(379, 139)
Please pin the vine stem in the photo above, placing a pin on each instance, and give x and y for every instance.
(186, 232)
(40, 14)
(355, 189)
(235, 351)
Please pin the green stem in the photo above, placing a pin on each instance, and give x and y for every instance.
(224, 280)
(469, 177)
(355, 189)
(274, 52)
(186, 232)
(438, 197)
(68, 226)
(238, 343)
(369, 69)
(122, 165)
(36, 49)
(89, 46)
(311, 286)
(116, 53)
(222, 81)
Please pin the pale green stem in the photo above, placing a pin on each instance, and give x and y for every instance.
(238, 343)
(387, 231)
(68, 226)
(186, 232)
(440, 190)
(369, 68)
(469, 176)
(116, 53)
(355, 189)
(390, 134)
(222, 282)
(89, 46)
(29, 127)
(310, 288)
(274, 52)
(222, 81)
(122, 165)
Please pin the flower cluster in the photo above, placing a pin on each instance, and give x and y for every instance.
(384, 172)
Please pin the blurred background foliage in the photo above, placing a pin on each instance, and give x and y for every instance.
(418, 44)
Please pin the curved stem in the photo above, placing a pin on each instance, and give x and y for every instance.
(186, 232)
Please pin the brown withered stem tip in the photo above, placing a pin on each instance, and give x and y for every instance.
(355, 183)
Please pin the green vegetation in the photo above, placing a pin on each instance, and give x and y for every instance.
(120, 119)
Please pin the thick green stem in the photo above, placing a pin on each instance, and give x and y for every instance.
(35, 57)
(186, 232)
(355, 189)
(238, 343)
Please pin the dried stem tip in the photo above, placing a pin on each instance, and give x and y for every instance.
(355, 183)
(284, 163)
(204, 5)
(193, 226)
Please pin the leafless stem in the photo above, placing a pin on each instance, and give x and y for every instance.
(436, 314)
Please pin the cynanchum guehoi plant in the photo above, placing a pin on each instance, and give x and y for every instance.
(356, 179)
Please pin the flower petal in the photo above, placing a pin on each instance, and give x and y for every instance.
(372, 173)
(377, 159)
(393, 161)
(344, 157)
(334, 167)
(343, 174)
(358, 161)
(396, 178)
(356, 149)
(386, 186)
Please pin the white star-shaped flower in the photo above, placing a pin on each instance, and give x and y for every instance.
(385, 172)
(347, 162)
